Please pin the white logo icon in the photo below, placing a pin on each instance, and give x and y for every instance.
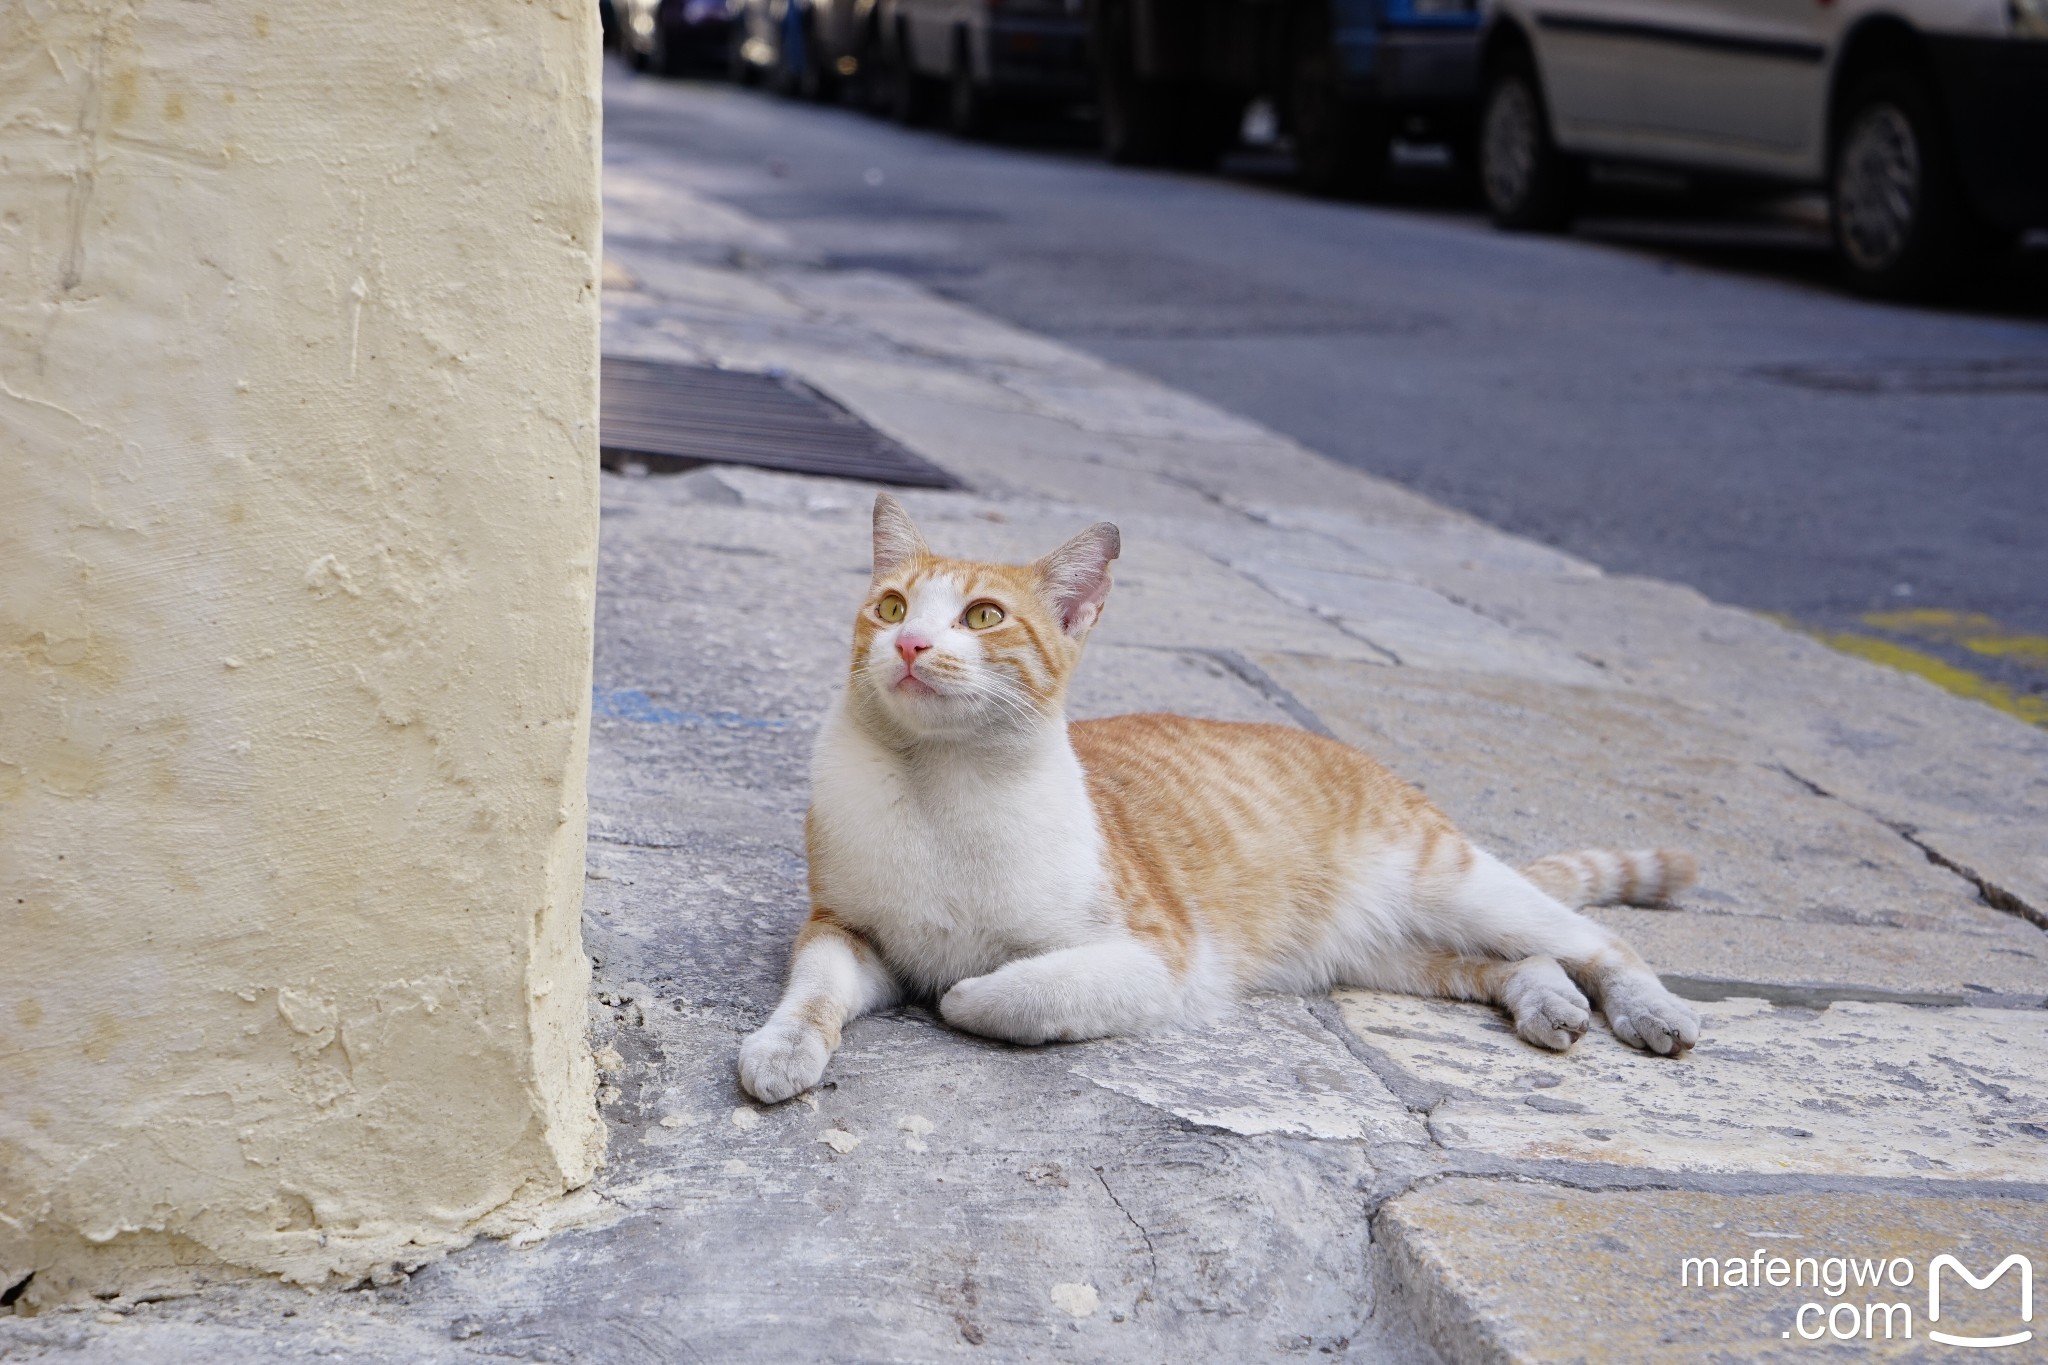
(2026, 1269)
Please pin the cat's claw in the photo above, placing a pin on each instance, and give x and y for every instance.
(782, 1059)
(1548, 1009)
(1556, 1025)
(1643, 1014)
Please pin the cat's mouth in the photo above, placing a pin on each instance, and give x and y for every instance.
(915, 686)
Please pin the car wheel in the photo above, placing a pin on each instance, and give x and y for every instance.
(1530, 185)
(1136, 122)
(1340, 149)
(816, 80)
(1900, 225)
(791, 53)
(738, 69)
(1340, 146)
(969, 111)
(909, 94)
(1152, 122)
(661, 52)
(873, 85)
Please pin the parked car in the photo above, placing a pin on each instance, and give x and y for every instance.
(962, 60)
(969, 59)
(1925, 121)
(813, 49)
(676, 37)
(1344, 76)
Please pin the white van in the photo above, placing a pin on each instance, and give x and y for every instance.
(1925, 120)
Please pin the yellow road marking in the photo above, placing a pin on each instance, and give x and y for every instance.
(1973, 630)
(1962, 682)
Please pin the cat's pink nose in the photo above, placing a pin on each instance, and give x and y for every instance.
(910, 646)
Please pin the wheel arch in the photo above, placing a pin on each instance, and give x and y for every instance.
(1875, 43)
(960, 49)
(1505, 41)
(1508, 44)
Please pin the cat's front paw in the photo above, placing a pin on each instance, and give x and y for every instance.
(782, 1059)
(1643, 1014)
(984, 1005)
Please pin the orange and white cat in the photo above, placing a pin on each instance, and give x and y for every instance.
(1052, 881)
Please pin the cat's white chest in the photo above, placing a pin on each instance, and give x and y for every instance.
(954, 868)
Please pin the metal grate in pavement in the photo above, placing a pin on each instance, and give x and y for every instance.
(671, 417)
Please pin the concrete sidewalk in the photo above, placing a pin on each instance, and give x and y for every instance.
(1373, 1176)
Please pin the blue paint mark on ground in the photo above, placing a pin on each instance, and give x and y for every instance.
(630, 703)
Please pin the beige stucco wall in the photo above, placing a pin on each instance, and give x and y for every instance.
(298, 393)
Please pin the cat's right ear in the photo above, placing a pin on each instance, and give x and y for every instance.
(897, 540)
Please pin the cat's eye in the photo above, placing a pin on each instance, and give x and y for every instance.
(891, 608)
(982, 615)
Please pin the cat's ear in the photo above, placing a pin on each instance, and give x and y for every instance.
(896, 536)
(1076, 576)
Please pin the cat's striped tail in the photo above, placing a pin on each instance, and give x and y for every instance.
(1599, 876)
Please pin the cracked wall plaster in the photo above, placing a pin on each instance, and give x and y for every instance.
(297, 429)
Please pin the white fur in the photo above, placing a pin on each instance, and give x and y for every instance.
(960, 857)
(952, 831)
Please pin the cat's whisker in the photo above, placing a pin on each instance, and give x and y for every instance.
(994, 688)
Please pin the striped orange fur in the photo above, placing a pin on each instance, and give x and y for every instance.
(1051, 881)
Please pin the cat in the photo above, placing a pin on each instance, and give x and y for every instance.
(1050, 881)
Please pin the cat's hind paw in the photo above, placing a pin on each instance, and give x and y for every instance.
(1643, 1014)
(782, 1059)
(1548, 1009)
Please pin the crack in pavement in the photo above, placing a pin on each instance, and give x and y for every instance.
(1262, 682)
(1709, 988)
(1586, 1175)
(1419, 1096)
(1151, 1250)
(1317, 610)
(1270, 687)
(1995, 896)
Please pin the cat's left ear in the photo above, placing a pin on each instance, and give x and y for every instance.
(1076, 576)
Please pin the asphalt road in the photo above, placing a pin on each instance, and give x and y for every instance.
(1663, 393)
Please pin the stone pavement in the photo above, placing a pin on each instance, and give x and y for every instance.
(1366, 1175)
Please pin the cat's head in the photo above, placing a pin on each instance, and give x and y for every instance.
(957, 648)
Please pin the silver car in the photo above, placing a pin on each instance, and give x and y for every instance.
(1926, 121)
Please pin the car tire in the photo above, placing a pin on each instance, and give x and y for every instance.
(1340, 149)
(1152, 122)
(1900, 224)
(662, 58)
(792, 53)
(909, 94)
(1341, 146)
(1156, 123)
(1137, 120)
(873, 82)
(738, 69)
(816, 81)
(970, 112)
(1528, 183)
